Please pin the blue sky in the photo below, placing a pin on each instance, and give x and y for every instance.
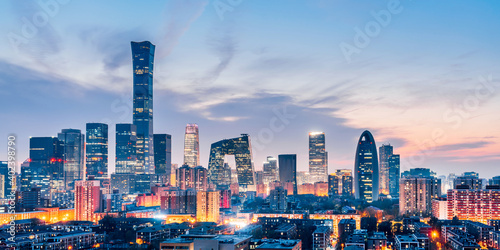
(426, 81)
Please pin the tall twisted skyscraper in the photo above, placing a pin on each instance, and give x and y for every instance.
(143, 61)
(192, 146)
(366, 182)
(318, 158)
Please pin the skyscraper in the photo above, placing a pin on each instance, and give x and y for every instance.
(270, 169)
(5, 181)
(366, 169)
(394, 175)
(385, 151)
(192, 146)
(126, 149)
(73, 148)
(288, 170)
(97, 149)
(143, 61)
(240, 147)
(318, 158)
(87, 200)
(46, 166)
(163, 154)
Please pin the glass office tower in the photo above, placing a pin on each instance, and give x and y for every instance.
(142, 60)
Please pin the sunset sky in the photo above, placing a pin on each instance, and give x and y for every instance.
(425, 79)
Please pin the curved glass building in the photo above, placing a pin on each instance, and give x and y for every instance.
(366, 173)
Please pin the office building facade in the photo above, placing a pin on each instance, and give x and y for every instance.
(288, 170)
(143, 64)
(96, 149)
(318, 157)
(192, 145)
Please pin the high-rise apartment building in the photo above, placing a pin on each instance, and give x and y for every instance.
(207, 206)
(143, 64)
(479, 205)
(192, 145)
(87, 200)
(416, 194)
(96, 150)
(185, 177)
(200, 178)
(277, 199)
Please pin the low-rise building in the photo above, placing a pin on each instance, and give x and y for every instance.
(423, 241)
(358, 238)
(457, 243)
(406, 242)
(447, 231)
(345, 228)
(376, 241)
(70, 240)
(215, 242)
(281, 245)
(494, 240)
(321, 238)
(422, 228)
(286, 231)
(495, 224)
(480, 231)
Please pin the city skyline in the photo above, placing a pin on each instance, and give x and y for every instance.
(277, 125)
(338, 112)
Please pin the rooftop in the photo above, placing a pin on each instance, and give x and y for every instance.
(322, 229)
(406, 238)
(282, 244)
